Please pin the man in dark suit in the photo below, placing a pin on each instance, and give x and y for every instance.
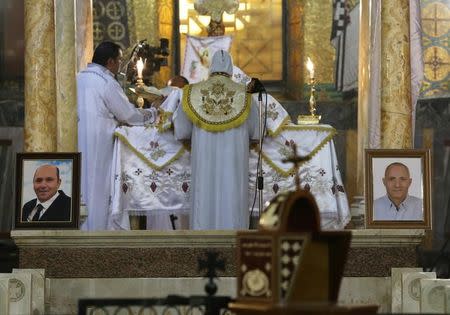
(51, 204)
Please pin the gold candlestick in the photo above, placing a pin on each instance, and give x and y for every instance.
(140, 99)
(139, 82)
(312, 118)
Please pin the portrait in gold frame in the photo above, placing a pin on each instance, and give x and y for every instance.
(398, 188)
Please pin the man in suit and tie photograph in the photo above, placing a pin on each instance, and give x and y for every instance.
(50, 204)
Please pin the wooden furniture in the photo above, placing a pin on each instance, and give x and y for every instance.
(289, 265)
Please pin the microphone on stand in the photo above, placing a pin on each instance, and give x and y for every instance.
(256, 86)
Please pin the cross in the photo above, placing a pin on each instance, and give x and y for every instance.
(115, 30)
(114, 10)
(436, 18)
(98, 31)
(435, 62)
(211, 264)
(438, 23)
(297, 160)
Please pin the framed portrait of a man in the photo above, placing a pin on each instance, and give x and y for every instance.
(47, 190)
(398, 186)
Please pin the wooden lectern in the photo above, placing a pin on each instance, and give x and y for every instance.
(290, 266)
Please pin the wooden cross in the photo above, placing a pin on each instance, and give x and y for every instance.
(297, 160)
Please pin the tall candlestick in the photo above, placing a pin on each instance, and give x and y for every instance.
(312, 118)
(139, 81)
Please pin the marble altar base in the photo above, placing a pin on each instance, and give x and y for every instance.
(136, 254)
(154, 264)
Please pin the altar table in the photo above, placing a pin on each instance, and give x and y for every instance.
(152, 172)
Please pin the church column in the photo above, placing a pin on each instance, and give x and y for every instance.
(40, 97)
(66, 68)
(84, 33)
(396, 107)
(363, 91)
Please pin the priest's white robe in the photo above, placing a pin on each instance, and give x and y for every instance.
(220, 170)
(102, 106)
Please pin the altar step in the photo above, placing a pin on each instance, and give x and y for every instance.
(158, 254)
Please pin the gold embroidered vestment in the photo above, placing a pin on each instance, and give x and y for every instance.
(217, 104)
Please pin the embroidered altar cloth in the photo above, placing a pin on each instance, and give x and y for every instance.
(152, 170)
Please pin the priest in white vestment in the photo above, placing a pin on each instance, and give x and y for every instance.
(220, 118)
(102, 106)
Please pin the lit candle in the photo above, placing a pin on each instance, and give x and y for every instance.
(140, 67)
(310, 67)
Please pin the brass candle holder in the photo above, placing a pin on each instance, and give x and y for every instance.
(312, 118)
(139, 82)
(140, 99)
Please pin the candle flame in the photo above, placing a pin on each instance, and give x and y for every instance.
(140, 67)
(309, 65)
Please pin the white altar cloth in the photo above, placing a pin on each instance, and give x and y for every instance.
(152, 173)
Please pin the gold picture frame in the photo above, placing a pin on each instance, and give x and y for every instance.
(398, 188)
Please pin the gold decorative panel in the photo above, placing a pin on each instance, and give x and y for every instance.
(317, 30)
(257, 35)
(435, 41)
(166, 31)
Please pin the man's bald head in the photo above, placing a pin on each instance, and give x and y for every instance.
(398, 164)
(46, 182)
(397, 181)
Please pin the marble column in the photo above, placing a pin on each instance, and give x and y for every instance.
(396, 107)
(84, 33)
(40, 130)
(66, 68)
(295, 55)
(363, 91)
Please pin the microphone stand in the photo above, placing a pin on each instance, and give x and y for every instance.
(259, 173)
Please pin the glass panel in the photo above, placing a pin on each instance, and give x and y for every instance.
(257, 35)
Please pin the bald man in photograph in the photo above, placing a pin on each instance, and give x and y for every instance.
(50, 203)
(397, 204)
